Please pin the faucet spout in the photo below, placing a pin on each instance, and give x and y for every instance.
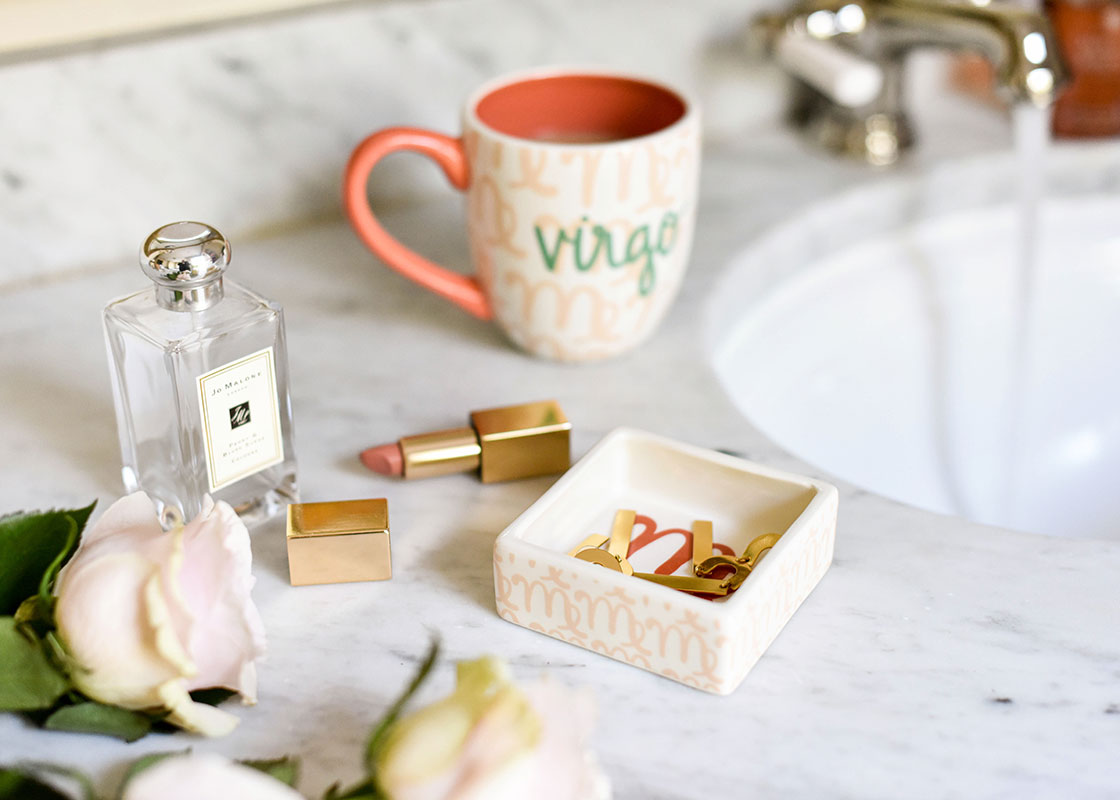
(1020, 45)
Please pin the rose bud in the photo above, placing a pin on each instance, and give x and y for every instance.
(491, 740)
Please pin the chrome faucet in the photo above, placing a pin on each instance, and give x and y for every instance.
(848, 57)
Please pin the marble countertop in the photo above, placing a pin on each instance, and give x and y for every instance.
(937, 658)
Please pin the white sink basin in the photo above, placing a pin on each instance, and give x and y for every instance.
(874, 336)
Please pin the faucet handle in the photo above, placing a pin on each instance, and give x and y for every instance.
(847, 51)
(845, 77)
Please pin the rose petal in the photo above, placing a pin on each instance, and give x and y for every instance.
(560, 765)
(192, 716)
(135, 512)
(227, 634)
(162, 622)
(102, 599)
(465, 744)
(564, 767)
(129, 525)
(198, 775)
(496, 759)
(423, 749)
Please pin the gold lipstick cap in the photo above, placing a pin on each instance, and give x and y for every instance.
(522, 441)
(339, 542)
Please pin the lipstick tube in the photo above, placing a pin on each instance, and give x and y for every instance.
(503, 444)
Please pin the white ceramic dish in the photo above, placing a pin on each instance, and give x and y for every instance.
(708, 644)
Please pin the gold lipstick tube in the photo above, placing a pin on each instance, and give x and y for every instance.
(504, 444)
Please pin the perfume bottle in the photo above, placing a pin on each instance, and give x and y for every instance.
(200, 383)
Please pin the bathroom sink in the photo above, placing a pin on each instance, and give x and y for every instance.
(885, 337)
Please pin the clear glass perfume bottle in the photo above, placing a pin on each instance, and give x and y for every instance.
(200, 383)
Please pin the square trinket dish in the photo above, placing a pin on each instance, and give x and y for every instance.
(709, 644)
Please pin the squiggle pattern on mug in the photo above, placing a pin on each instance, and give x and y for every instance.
(662, 168)
(542, 344)
(658, 176)
(482, 156)
(483, 260)
(625, 164)
(589, 172)
(494, 215)
(471, 141)
(603, 315)
(532, 171)
(550, 346)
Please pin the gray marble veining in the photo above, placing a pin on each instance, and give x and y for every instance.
(938, 658)
(251, 125)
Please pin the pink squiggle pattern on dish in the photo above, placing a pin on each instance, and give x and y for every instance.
(673, 640)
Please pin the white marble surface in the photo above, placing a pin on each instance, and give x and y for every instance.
(251, 125)
(937, 658)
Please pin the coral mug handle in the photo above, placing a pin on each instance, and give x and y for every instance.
(448, 152)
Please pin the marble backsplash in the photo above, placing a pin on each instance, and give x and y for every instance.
(248, 126)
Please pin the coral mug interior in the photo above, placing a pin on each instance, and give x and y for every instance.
(581, 195)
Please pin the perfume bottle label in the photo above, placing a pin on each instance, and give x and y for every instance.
(240, 418)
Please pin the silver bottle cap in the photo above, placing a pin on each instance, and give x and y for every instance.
(186, 260)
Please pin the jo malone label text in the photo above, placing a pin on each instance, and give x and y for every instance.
(240, 418)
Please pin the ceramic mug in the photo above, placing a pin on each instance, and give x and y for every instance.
(581, 202)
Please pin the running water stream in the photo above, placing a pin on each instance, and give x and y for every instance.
(1031, 133)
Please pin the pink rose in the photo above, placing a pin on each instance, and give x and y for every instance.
(491, 740)
(149, 616)
(189, 777)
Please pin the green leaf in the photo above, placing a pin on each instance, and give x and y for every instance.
(58, 653)
(212, 697)
(46, 582)
(29, 544)
(381, 730)
(33, 615)
(27, 769)
(362, 791)
(18, 785)
(91, 717)
(28, 680)
(285, 770)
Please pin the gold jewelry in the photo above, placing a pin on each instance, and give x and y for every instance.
(743, 565)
